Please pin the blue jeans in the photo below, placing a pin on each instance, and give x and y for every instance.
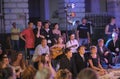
(83, 41)
(15, 44)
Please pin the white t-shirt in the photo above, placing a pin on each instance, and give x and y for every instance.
(73, 45)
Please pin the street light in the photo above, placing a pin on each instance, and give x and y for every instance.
(69, 15)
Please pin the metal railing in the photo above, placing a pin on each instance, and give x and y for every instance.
(98, 19)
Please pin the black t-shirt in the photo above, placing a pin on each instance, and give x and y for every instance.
(37, 40)
(112, 27)
(83, 29)
(94, 60)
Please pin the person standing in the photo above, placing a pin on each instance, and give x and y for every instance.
(83, 32)
(56, 32)
(47, 33)
(15, 37)
(38, 33)
(27, 35)
(111, 27)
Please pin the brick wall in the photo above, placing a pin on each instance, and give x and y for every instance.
(114, 9)
(15, 11)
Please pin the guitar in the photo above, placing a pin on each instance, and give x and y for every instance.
(56, 51)
(73, 46)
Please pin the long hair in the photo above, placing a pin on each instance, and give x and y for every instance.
(58, 39)
(22, 62)
(42, 60)
(54, 25)
(29, 72)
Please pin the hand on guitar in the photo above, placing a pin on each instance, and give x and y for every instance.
(56, 51)
(73, 46)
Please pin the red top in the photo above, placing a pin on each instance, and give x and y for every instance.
(29, 37)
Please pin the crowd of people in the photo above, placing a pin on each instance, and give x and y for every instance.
(52, 57)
